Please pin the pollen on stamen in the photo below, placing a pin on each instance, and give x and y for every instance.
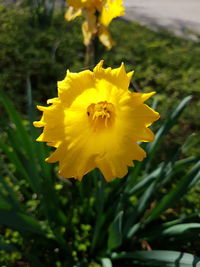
(101, 114)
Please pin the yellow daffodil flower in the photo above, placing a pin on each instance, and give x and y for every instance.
(107, 9)
(96, 122)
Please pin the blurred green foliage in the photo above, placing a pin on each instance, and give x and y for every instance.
(43, 54)
(45, 219)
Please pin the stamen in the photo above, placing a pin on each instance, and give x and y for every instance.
(101, 115)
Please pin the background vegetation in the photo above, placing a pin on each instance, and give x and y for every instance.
(46, 219)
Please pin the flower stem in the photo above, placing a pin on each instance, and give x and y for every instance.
(89, 55)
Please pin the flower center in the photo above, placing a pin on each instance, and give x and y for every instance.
(101, 115)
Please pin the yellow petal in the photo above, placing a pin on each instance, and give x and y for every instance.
(115, 161)
(76, 3)
(74, 85)
(52, 121)
(145, 114)
(92, 4)
(38, 124)
(105, 38)
(87, 33)
(72, 13)
(108, 77)
(75, 148)
(111, 9)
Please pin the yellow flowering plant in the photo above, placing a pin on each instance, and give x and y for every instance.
(98, 14)
(96, 122)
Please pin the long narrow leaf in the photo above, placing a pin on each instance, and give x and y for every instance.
(162, 258)
(175, 194)
(106, 262)
(179, 229)
(21, 140)
(15, 118)
(115, 232)
(20, 222)
(12, 156)
(167, 125)
(140, 208)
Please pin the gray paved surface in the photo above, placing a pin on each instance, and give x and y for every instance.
(178, 16)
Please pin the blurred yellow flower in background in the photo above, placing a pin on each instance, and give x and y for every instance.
(98, 14)
(96, 122)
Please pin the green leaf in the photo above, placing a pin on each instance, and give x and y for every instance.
(133, 229)
(178, 165)
(173, 167)
(195, 180)
(181, 188)
(147, 185)
(144, 200)
(21, 141)
(106, 262)
(15, 118)
(20, 222)
(26, 155)
(99, 185)
(115, 232)
(165, 127)
(146, 181)
(7, 193)
(30, 103)
(180, 228)
(190, 142)
(162, 258)
(12, 156)
(40, 148)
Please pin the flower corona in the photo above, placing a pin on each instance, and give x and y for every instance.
(96, 122)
